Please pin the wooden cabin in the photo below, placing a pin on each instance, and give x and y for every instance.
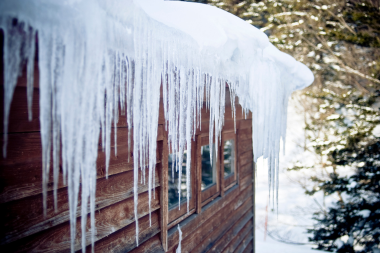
(221, 215)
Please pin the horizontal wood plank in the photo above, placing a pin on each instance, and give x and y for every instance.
(246, 169)
(245, 158)
(236, 241)
(218, 225)
(124, 239)
(18, 116)
(17, 221)
(209, 193)
(249, 248)
(241, 226)
(21, 170)
(245, 242)
(246, 181)
(151, 245)
(192, 225)
(108, 220)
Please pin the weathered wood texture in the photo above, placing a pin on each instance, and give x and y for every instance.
(224, 224)
(24, 158)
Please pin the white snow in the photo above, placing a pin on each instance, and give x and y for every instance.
(288, 222)
(273, 246)
(376, 131)
(364, 213)
(95, 56)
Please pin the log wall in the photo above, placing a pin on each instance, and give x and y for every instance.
(223, 225)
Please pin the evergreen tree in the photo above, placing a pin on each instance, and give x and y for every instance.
(357, 215)
(237, 7)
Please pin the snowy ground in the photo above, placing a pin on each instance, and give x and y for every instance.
(286, 229)
(273, 246)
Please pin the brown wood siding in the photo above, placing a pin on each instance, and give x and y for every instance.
(226, 223)
(223, 225)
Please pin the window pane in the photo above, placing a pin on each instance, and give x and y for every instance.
(208, 170)
(173, 181)
(229, 157)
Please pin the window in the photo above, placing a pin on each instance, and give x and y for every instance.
(173, 177)
(229, 163)
(228, 157)
(209, 169)
(211, 175)
(178, 210)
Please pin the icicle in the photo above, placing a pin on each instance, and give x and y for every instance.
(178, 250)
(56, 94)
(188, 138)
(46, 60)
(12, 67)
(31, 40)
(135, 199)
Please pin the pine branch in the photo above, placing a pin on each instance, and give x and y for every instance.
(349, 69)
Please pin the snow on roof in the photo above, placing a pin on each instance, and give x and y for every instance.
(207, 25)
(126, 49)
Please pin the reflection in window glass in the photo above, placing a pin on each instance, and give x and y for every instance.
(229, 157)
(173, 181)
(208, 170)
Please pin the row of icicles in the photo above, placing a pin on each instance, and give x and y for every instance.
(83, 88)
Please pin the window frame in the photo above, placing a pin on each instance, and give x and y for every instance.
(176, 214)
(230, 181)
(210, 193)
(170, 218)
